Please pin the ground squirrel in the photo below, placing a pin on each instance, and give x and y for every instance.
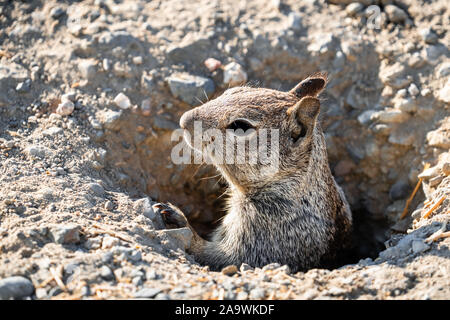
(297, 216)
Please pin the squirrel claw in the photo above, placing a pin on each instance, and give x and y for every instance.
(172, 216)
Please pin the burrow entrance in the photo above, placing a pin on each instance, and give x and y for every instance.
(138, 158)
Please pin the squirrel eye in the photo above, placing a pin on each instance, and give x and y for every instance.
(240, 125)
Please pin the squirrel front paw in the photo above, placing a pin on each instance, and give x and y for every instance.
(173, 217)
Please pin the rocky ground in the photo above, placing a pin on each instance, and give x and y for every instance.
(90, 92)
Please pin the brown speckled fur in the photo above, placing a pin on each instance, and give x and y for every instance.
(298, 216)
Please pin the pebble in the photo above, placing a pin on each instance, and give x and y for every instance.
(428, 36)
(234, 74)
(434, 182)
(395, 14)
(65, 234)
(229, 270)
(144, 206)
(110, 119)
(109, 242)
(413, 90)
(438, 139)
(15, 287)
(88, 68)
(52, 131)
(122, 101)
(65, 108)
(182, 236)
(146, 107)
(354, 8)
(97, 189)
(257, 294)
(212, 64)
(147, 293)
(57, 12)
(24, 87)
(294, 21)
(191, 89)
(109, 205)
(106, 273)
(137, 60)
(390, 116)
(429, 173)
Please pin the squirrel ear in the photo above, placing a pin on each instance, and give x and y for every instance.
(306, 109)
(311, 86)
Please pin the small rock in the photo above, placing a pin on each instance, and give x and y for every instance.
(109, 205)
(443, 70)
(428, 36)
(434, 182)
(109, 242)
(137, 60)
(41, 293)
(110, 119)
(212, 64)
(97, 189)
(15, 287)
(245, 267)
(439, 139)
(57, 12)
(229, 270)
(413, 90)
(395, 14)
(294, 21)
(234, 74)
(429, 173)
(354, 8)
(122, 101)
(419, 246)
(364, 118)
(390, 116)
(70, 96)
(65, 108)
(65, 234)
(147, 293)
(93, 243)
(106, 273)
(146, 107)
(24, 87)
(183, 236)
(52, 131)
(257, 294)
(191, 89)
(144, 206)
(88, 68)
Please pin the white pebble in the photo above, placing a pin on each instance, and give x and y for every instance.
(65, 108)
(137, 60)
(146, 107)
(234, 74)
(122, 101)
(413, 90)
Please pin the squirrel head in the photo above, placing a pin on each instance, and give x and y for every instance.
(277, 128)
